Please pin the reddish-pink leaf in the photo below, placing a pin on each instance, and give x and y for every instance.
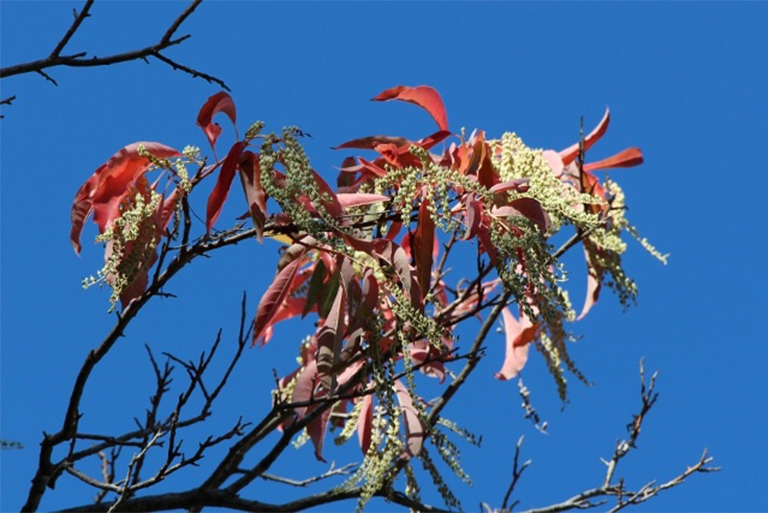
(103, 192)
(219, 102)
(250, 177)
(221, 189)
(569, 154)
(365, 423)
(305, 387)
(372, 168)
(423, 245)
(433, 368)
(519, 336)
(370, 142)
(414, 427)
(274, 297)
(626, 158)
(432, 140)
(484, 237)
(316, 431)
(594, 275)
(333, 207)
(533, 210)
(359, 199)
(519, 185)
(329, 339)
(474, 216)
(424, 96)
(305, 390)
(481, 164)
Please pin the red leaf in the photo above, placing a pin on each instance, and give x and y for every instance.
(519, 185)
(533, 210)
(432, 140)
(305, 391)
(250, 177)
(474, 216)
(424, 96)
(329, 339)
(569, 154)
(316, 431)
(305, 388)
(103, 192)
(519, 335)
(333, 207)
(368, 143)
(423, 245)
(358, 199)
(274, 297)
(221, 189)
(219, 102)
(414, 427)
(594, 275)
(626, 158)
(481, 164)
(365, 423)
(371, 167)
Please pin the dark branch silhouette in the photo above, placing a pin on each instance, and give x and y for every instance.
(80, 59)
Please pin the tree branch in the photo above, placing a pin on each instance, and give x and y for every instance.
(79, 60)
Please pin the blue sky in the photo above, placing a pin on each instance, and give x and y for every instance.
(686, 82)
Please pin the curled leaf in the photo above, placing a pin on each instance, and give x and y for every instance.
(221, 190)
(219, 102)
(103, 192)
(250, 176)
(519, 336)
(424, 96)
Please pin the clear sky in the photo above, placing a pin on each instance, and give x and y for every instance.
(686, 82)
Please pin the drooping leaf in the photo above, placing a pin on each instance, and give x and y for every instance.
(219, 102)
(414, 427)
(103, 192)
(250, 176)
(365, 423)
(305, 388)
(569, 154)
(519, 336)
(315, 285)
(328, 295)
(594, 279)
(329, 339)
(625, 158)
(423, 245)
(424, 96)
(273, 297)
(474, 216)
(221, 190)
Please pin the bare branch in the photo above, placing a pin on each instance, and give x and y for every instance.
(341, 471)
(517, 472)
(79, 60)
